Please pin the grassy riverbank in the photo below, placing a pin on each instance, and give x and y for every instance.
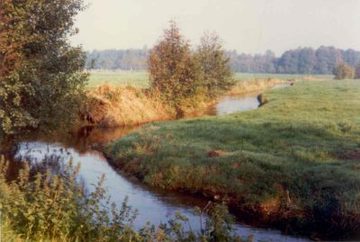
(116, 106)
(294, 163)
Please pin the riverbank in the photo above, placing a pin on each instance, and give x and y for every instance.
(109, 106)
(292, 164)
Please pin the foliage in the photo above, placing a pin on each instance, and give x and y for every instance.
(322, 60)
(357, 71)
(172, 69)
(53, 205)
(185, 78)
(294, 162)
(47, 203)
(41, 76)
(216, 75)
(344, 71)
(131, 59)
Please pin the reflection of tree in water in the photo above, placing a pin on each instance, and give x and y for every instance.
(89, 137)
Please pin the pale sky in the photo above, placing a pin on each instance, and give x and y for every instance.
(250, 26)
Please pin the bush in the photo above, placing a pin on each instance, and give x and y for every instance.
(44, 203)
(357, 72)
(173, 71)
(41, 75)
(185, 78)
(216, 74)
(344, 71)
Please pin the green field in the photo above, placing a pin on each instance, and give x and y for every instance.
(119, 78)
(250, 76)
(140, 78)
(295, 162)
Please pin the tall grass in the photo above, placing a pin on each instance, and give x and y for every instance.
(110, 106)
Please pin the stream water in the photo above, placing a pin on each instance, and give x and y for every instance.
(153, 206)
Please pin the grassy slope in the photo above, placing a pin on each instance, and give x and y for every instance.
(294, 161)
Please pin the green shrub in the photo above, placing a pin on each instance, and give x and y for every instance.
(216, 74)
(357, 72)
(173, 71)
(185, 78)
(53, 206)
(344, 71)
(41, 74)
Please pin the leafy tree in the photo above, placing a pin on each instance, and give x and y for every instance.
(41, 78)
(216, 74)
(173, 70)
(300, 61)
(344, 71)
(357, 72)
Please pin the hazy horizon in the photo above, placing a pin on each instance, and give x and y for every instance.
(248, 26)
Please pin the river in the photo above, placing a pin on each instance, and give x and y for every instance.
(154, 206)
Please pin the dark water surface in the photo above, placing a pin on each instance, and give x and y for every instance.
(153, 206)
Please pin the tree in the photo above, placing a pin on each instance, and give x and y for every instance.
(41, 75)
(344, 71)
(216, 74)
(357, 71)
(173, 71)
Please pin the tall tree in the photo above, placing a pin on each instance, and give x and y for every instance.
(216, 74)
(173, 71)
(41, 75)
(357, 71)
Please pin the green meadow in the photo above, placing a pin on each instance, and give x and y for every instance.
(119, 78)
(294, 162)
(141, 78)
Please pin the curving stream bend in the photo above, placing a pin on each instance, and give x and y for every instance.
(153, 205)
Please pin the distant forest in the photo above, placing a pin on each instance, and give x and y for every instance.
(297, 61)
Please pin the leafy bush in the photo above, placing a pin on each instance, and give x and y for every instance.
(184, 77)
(173, 71)
(216, 74)
(41, 74)
(54, 206)
(357, 72)
(344, 71)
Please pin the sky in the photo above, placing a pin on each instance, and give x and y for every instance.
(248, 26)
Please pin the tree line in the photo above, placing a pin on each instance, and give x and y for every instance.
(322, 60)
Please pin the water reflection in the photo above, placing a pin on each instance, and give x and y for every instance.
(153, 205)
(234, 104)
